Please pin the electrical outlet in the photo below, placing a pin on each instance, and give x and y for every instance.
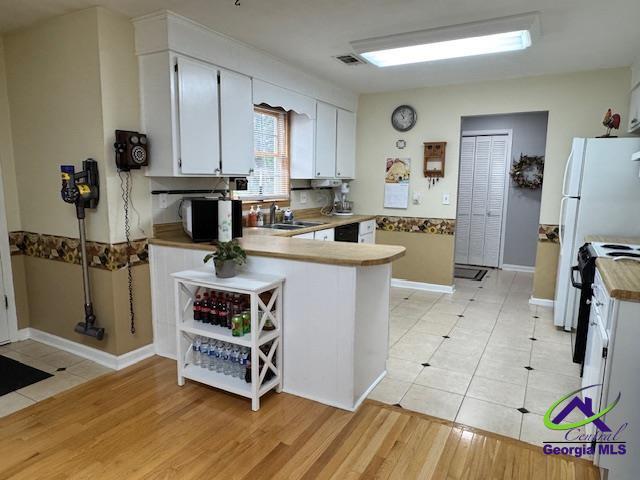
(164, 200)
(304, 197)
(446, 199)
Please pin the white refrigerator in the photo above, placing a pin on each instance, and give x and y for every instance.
(600, 196)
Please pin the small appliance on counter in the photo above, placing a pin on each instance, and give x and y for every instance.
(341, 205)
(201, 218)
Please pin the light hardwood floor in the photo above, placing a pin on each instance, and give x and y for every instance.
(138, 423)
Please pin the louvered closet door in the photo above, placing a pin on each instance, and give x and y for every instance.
(479, 200)
(495, 201)
(465, 193)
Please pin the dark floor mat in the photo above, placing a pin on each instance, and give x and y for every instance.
(470, 273)
(15, 375)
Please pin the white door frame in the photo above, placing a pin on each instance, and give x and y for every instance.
(5, 268)
(490, 133)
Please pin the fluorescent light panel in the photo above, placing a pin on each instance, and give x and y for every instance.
(504, 34)
(464, 47)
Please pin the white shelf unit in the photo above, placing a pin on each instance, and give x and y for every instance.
(186, 285)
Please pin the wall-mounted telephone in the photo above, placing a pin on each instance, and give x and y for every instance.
(132, 150)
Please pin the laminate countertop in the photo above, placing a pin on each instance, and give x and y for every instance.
(264, 242)
(622, 277)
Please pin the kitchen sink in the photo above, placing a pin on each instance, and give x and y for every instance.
(308, 224)
(293, 225)
(285, 226)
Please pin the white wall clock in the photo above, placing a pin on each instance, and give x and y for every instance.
(404, 118)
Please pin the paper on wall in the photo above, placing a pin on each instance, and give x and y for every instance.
(396, 182)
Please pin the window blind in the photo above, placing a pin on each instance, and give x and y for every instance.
(270, 178)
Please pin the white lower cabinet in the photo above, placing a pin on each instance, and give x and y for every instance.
(325, 235)
(309, 236)
(367, 238)
(610, 364)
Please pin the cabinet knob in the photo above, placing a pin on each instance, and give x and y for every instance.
(318, 174)
(251, 171)
(338, 173)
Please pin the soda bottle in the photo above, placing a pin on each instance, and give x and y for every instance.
(213, 308)
(204, 316)
(229, 304)
(223, 312)
(197, 305)
(246, 321)
(237, 326)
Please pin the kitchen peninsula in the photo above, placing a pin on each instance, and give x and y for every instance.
(335, 304)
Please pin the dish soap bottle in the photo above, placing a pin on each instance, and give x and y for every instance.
(252, 220)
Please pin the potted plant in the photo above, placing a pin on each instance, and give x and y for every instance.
(226, 258)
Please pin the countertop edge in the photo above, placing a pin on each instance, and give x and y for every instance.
(400, 252)
(614, 292)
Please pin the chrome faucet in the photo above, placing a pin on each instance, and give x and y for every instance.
(272, 213)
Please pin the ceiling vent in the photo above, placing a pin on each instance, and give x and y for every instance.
(349, 59)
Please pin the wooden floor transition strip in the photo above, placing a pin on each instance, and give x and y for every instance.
(138, 424)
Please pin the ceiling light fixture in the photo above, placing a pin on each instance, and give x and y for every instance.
(504, 34)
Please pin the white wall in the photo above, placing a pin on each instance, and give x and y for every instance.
(576, 104)
(7, 165)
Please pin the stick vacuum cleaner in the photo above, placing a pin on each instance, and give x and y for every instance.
(82, 189)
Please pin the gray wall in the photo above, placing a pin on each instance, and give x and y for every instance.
(523, 209)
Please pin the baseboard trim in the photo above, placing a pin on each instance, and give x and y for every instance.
(541, 302)
(116, 362)
(518, 268)
(427, 287)
(20, 335)
(369, 390)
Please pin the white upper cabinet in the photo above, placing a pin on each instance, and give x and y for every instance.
(346, 144)
(634, 110)
(302, 140)
(199, 123)
(236, 124)
(199, 117)
(326, 125)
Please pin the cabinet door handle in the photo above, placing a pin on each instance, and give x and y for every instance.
(251, 171)
(635, 120)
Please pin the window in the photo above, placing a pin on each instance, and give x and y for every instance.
(270, 178)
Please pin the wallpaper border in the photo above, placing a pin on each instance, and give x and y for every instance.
(67, 249)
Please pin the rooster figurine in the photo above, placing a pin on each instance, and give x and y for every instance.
(611, 120)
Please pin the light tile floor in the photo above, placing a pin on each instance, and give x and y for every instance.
(478, 355)
(68, 370)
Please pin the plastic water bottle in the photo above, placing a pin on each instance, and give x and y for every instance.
(211, 364)
(204, 355)
(227, 360)
(242, 362)
(235, 361)
(195, 347)
(220, 356)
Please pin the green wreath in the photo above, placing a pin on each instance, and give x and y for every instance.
(528, 172)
